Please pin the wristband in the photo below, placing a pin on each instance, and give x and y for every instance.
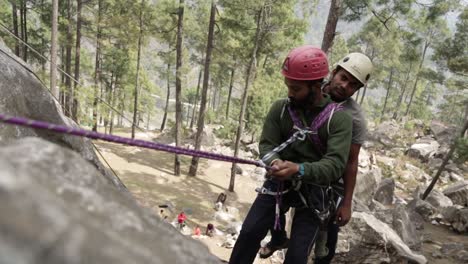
(301, 169)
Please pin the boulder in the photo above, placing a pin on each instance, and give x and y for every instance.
(253, 148)
(406, 228)
(412, 172)
(438, 199)
(455, 177)
(385, 190)
(57, 208)
(423, 149)
(452, 168)
(369, 240)
(366, 184)
(458, 193)
(457, 216)
(389, 162)
(365, 161)
(208, 137)
(386, 133)
(425, 209)
(442, 132)
(24, 95)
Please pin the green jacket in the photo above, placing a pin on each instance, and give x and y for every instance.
(322, 170)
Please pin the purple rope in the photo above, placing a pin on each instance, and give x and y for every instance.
(126, 141)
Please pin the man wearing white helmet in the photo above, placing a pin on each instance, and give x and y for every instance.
(351, 73)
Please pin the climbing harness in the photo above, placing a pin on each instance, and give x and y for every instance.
(126, 141)
(300, 135)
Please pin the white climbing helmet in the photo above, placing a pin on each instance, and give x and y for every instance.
(358, 65)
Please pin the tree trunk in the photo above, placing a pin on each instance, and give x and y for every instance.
(403, 90)
(445, 161)
(53, 51)
(15, 26)
(148, 120)
(389, 86)
(426, 45)
(108, 99)
(77, 60)
(137, 78)
(206, 77)
(24, 30)
(122, 96)
(250, 76)
(194, 112)
(68, 60)
(112, 103)
(43, 40)
(178, 116)
(231, 84)
(163, 123)
(330, 28)
(97, 69)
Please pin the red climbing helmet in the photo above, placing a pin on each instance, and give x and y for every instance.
(305, 63)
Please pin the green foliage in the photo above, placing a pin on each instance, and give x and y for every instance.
(452, 52)
(461, 150)
(393, 33)
(266, 90)
(228, 131)
(338, 51)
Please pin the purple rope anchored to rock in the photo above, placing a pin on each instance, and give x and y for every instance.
(127, 141)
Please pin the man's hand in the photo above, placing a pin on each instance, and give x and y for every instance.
(283, 170)
(343, 215)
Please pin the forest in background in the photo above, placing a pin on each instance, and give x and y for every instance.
(219, 60)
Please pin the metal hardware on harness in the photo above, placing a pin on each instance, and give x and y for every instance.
(300, 134)
(263, 190)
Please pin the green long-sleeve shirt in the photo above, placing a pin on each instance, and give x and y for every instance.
(318, 169)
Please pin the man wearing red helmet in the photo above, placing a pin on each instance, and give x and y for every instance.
(351, 73)
(305, 159)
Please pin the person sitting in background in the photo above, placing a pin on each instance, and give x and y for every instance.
(209, 230)
(197, 231)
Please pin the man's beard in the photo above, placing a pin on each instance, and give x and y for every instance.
(336, 93)
(304, 103)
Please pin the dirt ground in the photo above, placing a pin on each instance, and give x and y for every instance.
(148, 174)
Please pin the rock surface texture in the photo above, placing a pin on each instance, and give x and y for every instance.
(57, 208)
(59, 203)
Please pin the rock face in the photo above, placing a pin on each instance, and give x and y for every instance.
(24, 95)
(458, 193)
(425, 209)
(59, 203)
(423, 149)
(438, 199)
(457, 216)
(442, 132)
(386, 133)
(406, 228)
(384, 193)
(57, 208)
(366, 184)
(371, 241)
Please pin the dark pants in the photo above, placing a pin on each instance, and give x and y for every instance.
(279, 236)
(332, 240)
(261, 218)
